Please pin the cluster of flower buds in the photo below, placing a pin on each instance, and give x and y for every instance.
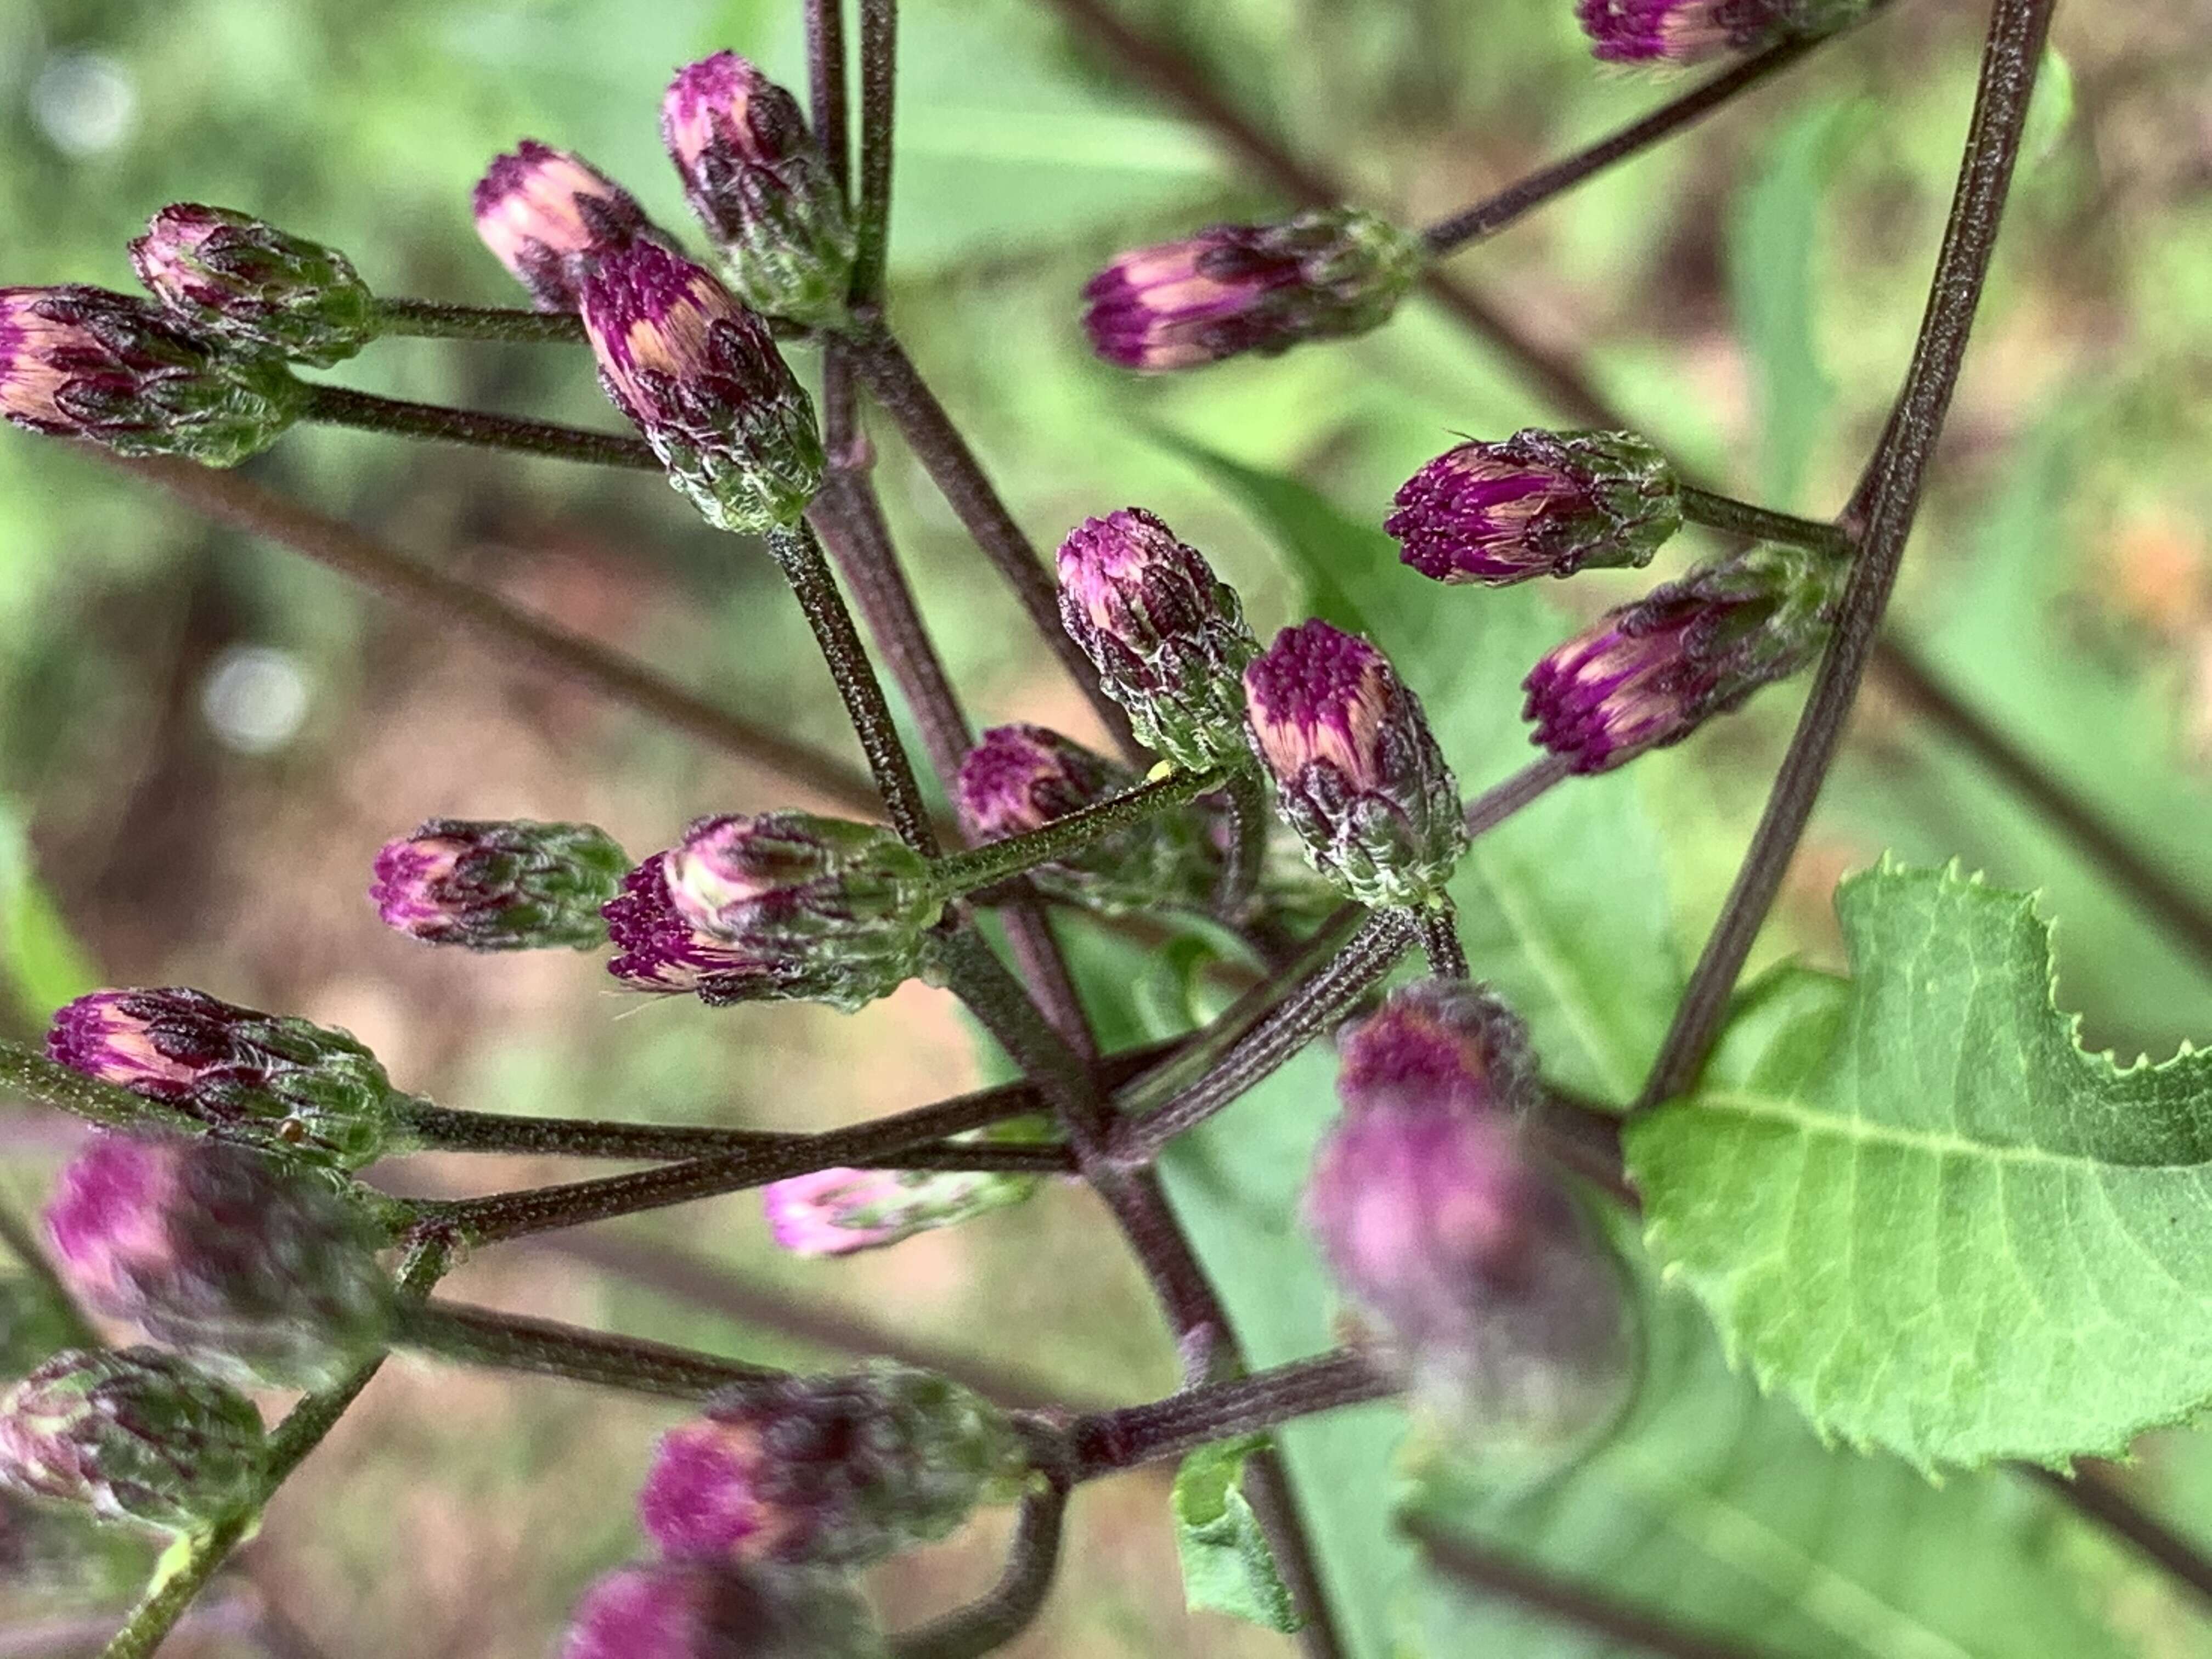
(786, 906)
(499, 884)
(1692, 31)
(135, 1435)
(1496, 1299)
(84, 362)
(262, 1275)
(841, 1212)
(699, 376)
(721, 1610)
(1233, 289)
(1020, 778)
(1356, 771)
(1167, 635)
(762, 186)
(1538, 504)
(830, 1471)
(1649, 674)
(547, 215)
(242, 279)
(287, 1086)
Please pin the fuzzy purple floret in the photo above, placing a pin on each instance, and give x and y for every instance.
(1318, 694)
(702, 1496)
(657, 1612)
(108, 1218)
(1176, 304)
(1022, 777)
(657, 950)
(1675, 31)
(709, 105)
(1440, 1040)
(1607, 694)
(1467, 516)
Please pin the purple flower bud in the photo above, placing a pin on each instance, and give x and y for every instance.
(830, 1471)
(1021, 778)
(1496, 1299)
(81, 362)
(546, 214)
(235, 276)
(1650, 673)
(1167, 635)
(1233, 289)
(1540, 503)
(701, 377)
(840, 1212)
(1441, 1039)
(289, 1086)
(1357, 772)
(656, 949)
(1673, 31)
(721, 1610)
(501, 884)
(263, 1276)
(137, 1436)
(760, 183)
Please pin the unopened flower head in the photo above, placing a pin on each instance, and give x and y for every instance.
(1539, 503)
(135, 1435)
(1358, 773)
(262, 1275)
(1494, 1294)
(499, 884)
(1650, 673)
(1168, 636)
(1675, 31)
(701, 377)
(700, 1609)
(235, 276)
(840, 1212)
(301, 1090)
(546, 215)
(1234, 288)
(760, 183)
(1020, 778)
(1441, 1039)
(830, 1471)
(658, 949)
(81, 362)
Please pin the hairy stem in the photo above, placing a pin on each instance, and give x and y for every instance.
(994, 862)
(104, 1105)
(1438, 927)
(1246, 856)
(1493, 806)
(1108, 1440)
(1759, 524)
(1891, 500)
(825, 87)
(1014, 1602)
(431, 319)
(338, 405)
(878, 89)
(544, 1347)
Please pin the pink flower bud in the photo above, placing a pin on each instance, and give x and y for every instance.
(546, 214)
(840, 1212)
(721, 1610)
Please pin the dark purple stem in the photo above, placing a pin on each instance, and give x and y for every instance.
(1108, 1442)
(338, 405)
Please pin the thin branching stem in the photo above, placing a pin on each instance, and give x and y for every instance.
(2097, 1498)
(879, 98)
(1014, 1601)
(1760, 524)
(338, 405)
(544, 1347)
(1493, 806)
(433, 319)
(1890, 500)
(825, 87)
(1438, 927)
(994, 862)
(1106, 1442)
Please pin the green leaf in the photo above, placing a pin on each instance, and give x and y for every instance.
(1917, 1207)
(1716, 1508)
(39, 958)
(1226, 1565)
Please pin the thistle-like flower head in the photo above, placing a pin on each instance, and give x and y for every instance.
(1233, 289)
(82, 362)
(1168, 636)
(1444, 1040)
(546, 215)
(303, 1092)
(1357, 772)
(1539, 503)
(501, 885)
(760, 183)
(840, 1212)
(701, 1609)
(699, 376)
(235, 276)
(135, 1435)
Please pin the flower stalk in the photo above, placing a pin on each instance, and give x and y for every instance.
(338, 405)
(434, 319)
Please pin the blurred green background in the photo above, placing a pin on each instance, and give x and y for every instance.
(203, 739)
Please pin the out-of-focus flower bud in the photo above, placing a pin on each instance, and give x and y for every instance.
(701, 378)
(263, 1276)
(235, 276)
(1672, 32)
(839, 1212)
(721, 1610)
(1357, 773)
(830, 1471)
(499, 884)
(1498, 1299)
(289, 1086)
(1538, 504)
(546, 215)
(1650, 673)
(1234, 288)
(135, 1436)
(760, 183)
(1168, 636)
(1021, 778)
(81, 362)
